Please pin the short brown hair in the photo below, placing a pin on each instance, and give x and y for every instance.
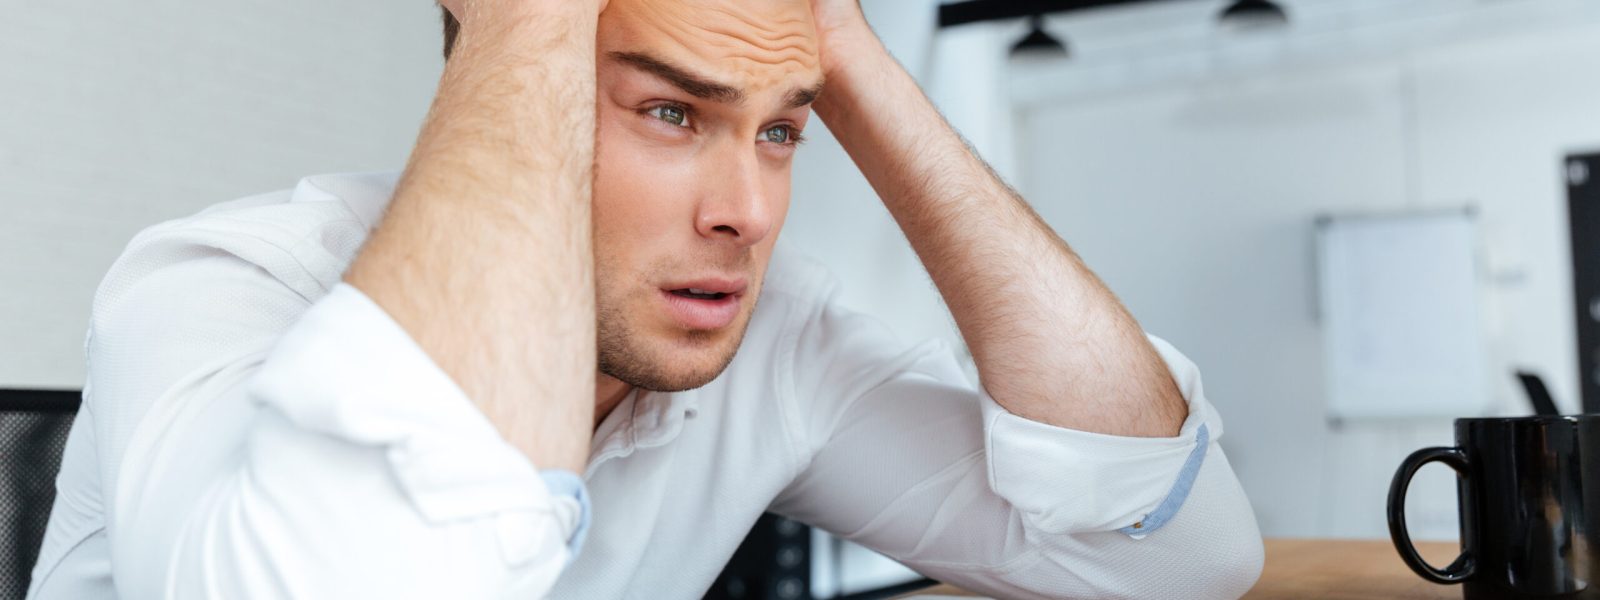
(452, 27)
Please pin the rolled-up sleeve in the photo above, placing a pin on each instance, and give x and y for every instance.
(330, 459)
(904, 456)
(348, 371)
(1066, 481)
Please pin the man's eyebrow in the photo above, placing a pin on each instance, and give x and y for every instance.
(691, 84)
(803, 96)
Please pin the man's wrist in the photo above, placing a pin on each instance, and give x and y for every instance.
(862, 67)
(846, 47)
(471, 11)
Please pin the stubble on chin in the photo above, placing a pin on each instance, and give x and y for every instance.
(637, 360)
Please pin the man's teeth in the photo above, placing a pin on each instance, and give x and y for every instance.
(700, 294)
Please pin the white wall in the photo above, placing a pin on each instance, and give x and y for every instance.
(1191, 182)
(118, 115)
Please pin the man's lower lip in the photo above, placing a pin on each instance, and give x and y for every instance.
(694, 313)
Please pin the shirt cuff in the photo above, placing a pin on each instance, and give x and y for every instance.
(1070, 481)
(572, 498)
(347, 370)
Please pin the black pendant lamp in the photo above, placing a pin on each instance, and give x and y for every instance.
(1038, 43)
(1253, 14)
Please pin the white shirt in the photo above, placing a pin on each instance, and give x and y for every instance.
(252, 427)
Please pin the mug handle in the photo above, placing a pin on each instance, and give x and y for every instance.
(1463, 566)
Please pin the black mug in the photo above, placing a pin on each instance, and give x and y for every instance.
(1529, 490)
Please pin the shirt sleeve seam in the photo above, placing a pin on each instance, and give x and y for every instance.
(1027, 558)
(889, 507)
(44, 578)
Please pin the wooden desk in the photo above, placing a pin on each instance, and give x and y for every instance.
(1349, 570)
(1334, 570)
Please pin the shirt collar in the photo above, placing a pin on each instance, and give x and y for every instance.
(644, 419)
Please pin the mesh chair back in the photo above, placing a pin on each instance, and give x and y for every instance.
(33, 432)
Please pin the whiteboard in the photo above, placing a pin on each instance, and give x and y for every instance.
(1401, 311)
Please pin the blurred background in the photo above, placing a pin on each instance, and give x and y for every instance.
(1359, 217)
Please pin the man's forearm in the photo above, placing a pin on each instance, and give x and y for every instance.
(485, 256)
(1050, 340)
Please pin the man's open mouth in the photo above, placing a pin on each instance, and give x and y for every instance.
(704, 304)
(699, 294)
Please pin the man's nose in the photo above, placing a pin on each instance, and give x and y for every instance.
(735, 207)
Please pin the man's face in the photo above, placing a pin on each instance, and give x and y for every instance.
(699, 107)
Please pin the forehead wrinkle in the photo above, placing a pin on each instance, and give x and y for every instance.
(697, 46)
(797, 61)
(786, 40)
(734, 45)
(793, 51)
(794, 45)
(759, 34)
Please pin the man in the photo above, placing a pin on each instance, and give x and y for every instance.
(377, 388)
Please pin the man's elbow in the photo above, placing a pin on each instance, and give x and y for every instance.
(1235, 562)
(1221, 552)
(1211, 548)
(1220, 560)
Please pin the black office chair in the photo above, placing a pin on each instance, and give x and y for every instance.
(774, 563)
(33, 432)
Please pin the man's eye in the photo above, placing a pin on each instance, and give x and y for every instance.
(781, 134)
(674, 115)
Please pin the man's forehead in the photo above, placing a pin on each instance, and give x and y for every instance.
(749, 43)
